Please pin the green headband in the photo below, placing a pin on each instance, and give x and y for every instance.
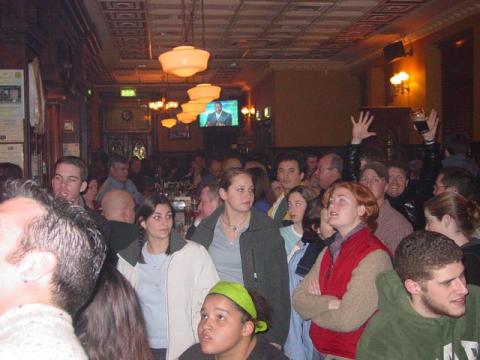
(240, 296)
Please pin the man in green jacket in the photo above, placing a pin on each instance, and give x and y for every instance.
(426, 310)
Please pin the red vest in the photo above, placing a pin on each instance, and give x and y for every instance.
(333, 280)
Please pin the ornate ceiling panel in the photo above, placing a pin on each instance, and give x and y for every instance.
(245, 32)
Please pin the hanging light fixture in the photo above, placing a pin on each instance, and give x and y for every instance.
(194, 107)
(185, 60)
(169, 122)
(186, 117)
(204, 93)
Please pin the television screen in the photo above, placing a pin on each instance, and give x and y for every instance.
(220, 113)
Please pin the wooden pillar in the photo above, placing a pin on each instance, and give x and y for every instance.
(54, 134)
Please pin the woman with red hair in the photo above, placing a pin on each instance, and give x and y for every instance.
(339, 293)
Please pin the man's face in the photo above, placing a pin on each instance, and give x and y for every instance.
(325, 174)
(375, 183)
(397, 181)
(289, 174)
(445, 293)
(216, 169)
(136, 166)
(440, 187)
(312, 163)
(15, 214)
(207, 205)
(218, 108)
(67, 182)
(119, 172)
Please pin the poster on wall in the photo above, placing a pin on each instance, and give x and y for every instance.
(71, 149)
(11, 131)
(12, 96)
(12, 153)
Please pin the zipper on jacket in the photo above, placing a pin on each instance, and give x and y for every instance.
(255, 277)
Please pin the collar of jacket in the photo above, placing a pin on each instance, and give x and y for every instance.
(130, 254)
(257, 221)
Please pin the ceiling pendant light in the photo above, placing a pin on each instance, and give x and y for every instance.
(184, 61)
(169, 123)
(194, 107)
(186, 117)
(204, 93)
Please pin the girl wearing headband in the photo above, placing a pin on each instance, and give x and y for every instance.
(230, 318)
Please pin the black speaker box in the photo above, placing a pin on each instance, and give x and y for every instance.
(394, 51)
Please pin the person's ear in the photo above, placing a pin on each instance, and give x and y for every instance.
(37, 266)
(248, 328)
(361, 210)
(412, 287)
(302, 175)
(143, 224)
(223, 194)
(447, 221)
(84, 186)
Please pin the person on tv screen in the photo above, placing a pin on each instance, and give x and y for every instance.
(219, 117)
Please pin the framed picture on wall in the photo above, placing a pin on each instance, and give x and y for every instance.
(179, 132)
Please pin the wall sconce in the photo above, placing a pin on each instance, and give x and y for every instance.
(248, 110)
(398, 82)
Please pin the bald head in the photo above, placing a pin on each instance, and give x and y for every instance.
(118, 205)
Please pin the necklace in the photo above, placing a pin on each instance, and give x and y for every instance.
(234, 227)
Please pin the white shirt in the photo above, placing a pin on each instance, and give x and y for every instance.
(38, 332)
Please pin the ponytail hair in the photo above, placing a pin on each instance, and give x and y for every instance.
(465, 212)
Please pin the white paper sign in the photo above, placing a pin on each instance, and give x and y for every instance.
(12, 96)
(12, 153)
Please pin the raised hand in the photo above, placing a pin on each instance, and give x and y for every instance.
(432, 123)
(360, 128)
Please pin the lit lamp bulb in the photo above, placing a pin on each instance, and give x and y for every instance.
(244, 110)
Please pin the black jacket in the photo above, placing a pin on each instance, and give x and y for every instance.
(410, 202)
(264, 266)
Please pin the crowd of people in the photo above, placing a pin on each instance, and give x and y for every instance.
(348, 255)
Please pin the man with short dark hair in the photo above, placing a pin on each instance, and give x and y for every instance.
(290, 173)
(69, 181)
(51, 253)
(118, 179)
(455, 179)
(424, 311)
(219, 117)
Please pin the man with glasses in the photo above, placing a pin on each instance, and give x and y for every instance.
(455, 179)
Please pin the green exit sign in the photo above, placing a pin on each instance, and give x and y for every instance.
(128, 92)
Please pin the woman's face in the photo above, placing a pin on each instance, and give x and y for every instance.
(159, 225)
(325, 230)
(296, 207)
(343, 210)
(240, 194)
(221, 330)
(92, 190)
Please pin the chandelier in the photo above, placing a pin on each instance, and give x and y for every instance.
(204, 93)
(186, 117)
(169, 122)
(194, 107)
(185, 60)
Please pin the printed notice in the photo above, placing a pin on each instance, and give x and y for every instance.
(12, 153)
(11, 131)
(71, 149)
(12, 97)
